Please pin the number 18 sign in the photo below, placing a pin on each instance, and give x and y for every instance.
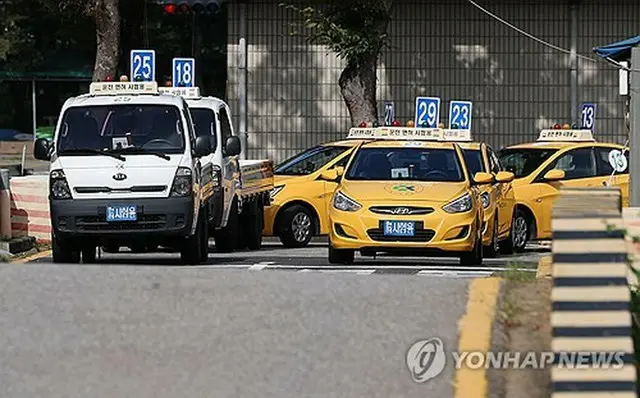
(588, 116)
(427, 112)
(184, 70)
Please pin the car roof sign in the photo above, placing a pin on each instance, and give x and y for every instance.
(566, 135)
(185, 92)
(123, 88)
(396, 133)
(456, 135)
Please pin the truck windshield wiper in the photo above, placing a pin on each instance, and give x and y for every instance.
(86, 151)
(135, 149)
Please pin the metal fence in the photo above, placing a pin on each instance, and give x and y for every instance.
(442, 48)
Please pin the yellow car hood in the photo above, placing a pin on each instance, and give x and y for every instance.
(399, 191)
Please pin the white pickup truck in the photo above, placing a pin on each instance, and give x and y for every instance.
(128, 169)
(243, 187)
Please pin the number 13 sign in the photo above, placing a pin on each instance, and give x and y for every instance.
(588, 116)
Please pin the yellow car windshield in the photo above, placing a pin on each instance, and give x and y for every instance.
(413, 164)
(524, 161)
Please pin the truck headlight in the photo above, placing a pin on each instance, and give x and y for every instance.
(182, 182)
(275, 191)
(345, 203)
(59, 188)
(216, 177)
(485, 198)
(460, 205)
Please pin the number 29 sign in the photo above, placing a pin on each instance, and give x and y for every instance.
(427, 112)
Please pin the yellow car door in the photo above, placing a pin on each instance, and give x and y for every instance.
(613, 170)
(329, 188)
(505, 195)
(579, 168)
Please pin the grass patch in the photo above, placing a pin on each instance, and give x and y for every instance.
(516, 273)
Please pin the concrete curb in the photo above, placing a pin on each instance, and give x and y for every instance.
(590, 296)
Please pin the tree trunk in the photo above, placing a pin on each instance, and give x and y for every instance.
(107, 18)
(358, 87)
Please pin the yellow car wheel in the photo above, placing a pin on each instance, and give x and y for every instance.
(296, 226)
(473, 257)
(491, 251)
(341, 256)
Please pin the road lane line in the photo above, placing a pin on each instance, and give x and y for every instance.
(475, 335)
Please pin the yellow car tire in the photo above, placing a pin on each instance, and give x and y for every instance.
(341, 256)
(491, 251)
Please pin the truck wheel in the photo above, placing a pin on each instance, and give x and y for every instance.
(341, 256)
(63, 252)
(254, 224)
(89, 254)
(227, 237)
(204, 246)
(191, 250)
(111, 248)
(296, 227)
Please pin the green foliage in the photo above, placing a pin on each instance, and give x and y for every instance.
(354, 30)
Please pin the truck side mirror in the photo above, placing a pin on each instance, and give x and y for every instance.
(41, 149)
(203, 146)
(232, 147)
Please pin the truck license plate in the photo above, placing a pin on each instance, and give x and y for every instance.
(122, 213)
(399, 228)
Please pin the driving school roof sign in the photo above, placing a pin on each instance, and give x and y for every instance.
(566, 135)
(185, 92)
(121, 88)
(395, 133)
(456, 135)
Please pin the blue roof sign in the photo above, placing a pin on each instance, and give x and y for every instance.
(620, 51)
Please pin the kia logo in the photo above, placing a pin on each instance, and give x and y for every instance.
(401, 210)
(119, 177)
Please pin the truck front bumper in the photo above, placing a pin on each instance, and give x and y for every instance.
(161, 217)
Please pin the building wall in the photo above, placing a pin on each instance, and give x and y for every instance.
(439, 48)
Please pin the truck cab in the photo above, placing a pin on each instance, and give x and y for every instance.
(240, 189)
(125, 171)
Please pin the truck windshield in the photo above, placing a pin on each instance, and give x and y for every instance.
(309, 161)
(114, 128)
(415, 164)
(524, 161)
(473, 158)
(205, 122)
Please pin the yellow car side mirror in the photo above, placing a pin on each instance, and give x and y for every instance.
(483, 178)
(554, 175)
(329, 175)
(505, 176)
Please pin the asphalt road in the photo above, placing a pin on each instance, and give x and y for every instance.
(144, 326)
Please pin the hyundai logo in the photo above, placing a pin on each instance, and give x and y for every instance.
(119, 177)
(401, 210)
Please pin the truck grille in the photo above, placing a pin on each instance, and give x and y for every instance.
(422, 235)
(99, 223)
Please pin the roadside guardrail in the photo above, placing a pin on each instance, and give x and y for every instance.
(590, 295)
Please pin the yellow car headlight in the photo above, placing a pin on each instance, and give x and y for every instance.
(485, 198)
(345, 203)
(460, 205)
(275, 191)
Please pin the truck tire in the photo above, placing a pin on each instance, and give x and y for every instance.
(296, 227)
(191, 250)
(204, 246)
(89, 254)
(64, 252)
(253, 226)
(227, 237)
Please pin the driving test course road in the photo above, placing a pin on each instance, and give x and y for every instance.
(248, 324)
